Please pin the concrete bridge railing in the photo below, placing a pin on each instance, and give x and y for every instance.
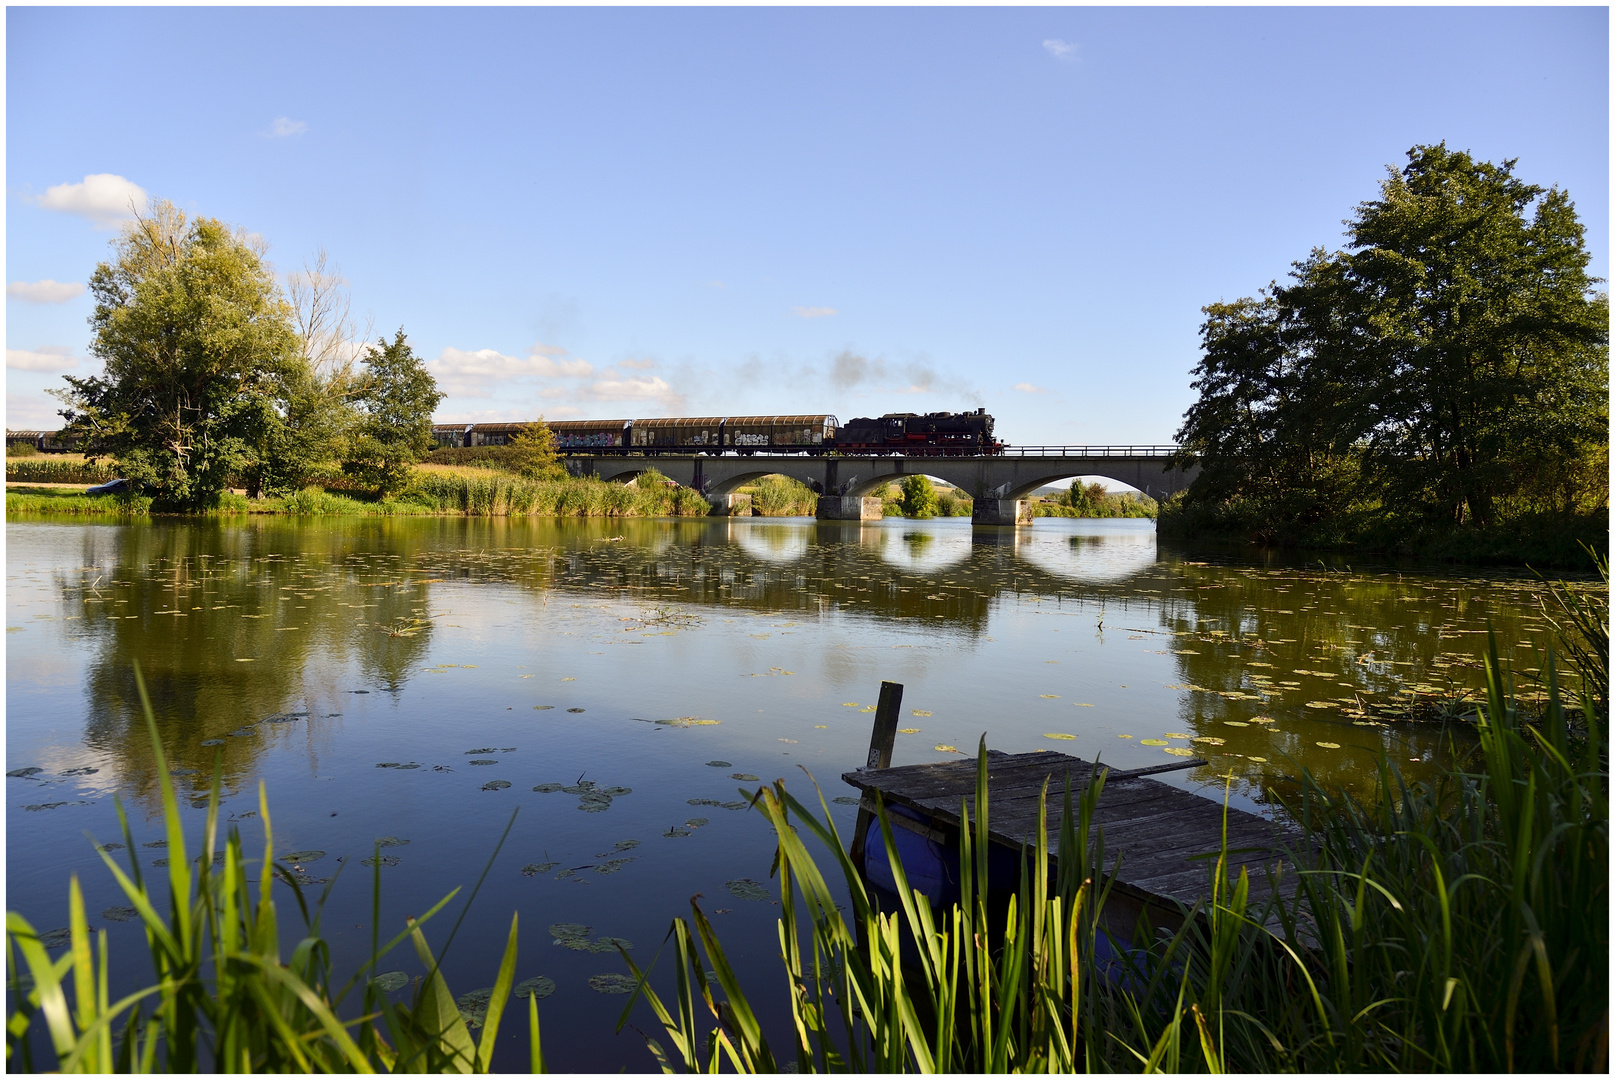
(997, 484)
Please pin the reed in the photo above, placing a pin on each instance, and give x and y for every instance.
(781, 496)
(225, 999)
(1460, 925)
(57, 470)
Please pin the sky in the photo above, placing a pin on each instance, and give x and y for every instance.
(617, 213)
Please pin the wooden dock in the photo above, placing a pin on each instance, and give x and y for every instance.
(1162, 834)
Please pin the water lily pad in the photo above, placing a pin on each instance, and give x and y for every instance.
(1210, 740)
(547, 788)
(919, 712)
(610, 944)
(944, 748)
(735, 804)
(747, 889)
(474, 1006)
(483, 761)
(482, 750)
(846, 800)
(743, 776)
(612, 983)
(625, 845)
(302, 856)
(391, 841)
(696, 822)
(388, 981)
(1048, 695)
(1236, 723)
(675, 832)
(714, 764)
(1178, 751)
(119, 914)
(574, 936)
(1322, 705)
(541, 708)
(616, 792)
(611, 866)
(113, 846)
(397, 765)
(31, 770)
(496, 785)
(155, 843)
(384, 860)
(1124, 736)
(1330, 745)
(1152, 742)
(83, 770)
(688, 721)
(1176, 735)
(1057, 735)
(703, 802)
(538, 987)
(534, 869)
(55, 939)
(908, 731)
(574, 710)
(1253, 757)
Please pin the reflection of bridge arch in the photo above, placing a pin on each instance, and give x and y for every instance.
(997, 484)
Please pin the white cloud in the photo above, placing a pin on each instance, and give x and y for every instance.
(45, 292)
(25, 412)
(47, 358)
(105, 198)
(477, 373)
(636, 365)
(813, 312)
(1028, 388)
(284, 126)
(642, 388)
(1060, 50)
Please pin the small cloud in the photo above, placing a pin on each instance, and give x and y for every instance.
(1060, 50)
(105, 198)
(44, 292)
(475, 373)
(814, 312)
(1028, 388)
(636, 365)
(285, 126)
(642, 388)
(47, 358)
(541, 349)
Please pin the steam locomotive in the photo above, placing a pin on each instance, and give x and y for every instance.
(918, 434)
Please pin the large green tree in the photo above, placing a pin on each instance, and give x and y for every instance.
(198, 349)
(395, 400)
(1450, 365)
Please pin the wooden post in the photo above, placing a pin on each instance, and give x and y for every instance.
(881, 740)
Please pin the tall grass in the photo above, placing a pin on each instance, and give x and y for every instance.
(56, 470)
(496, 494)
(781, 496)
(225, 999)
(1460, 925)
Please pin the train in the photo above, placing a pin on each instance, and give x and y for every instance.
(937, 434)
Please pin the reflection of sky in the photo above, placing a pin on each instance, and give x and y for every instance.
(924, 547)
(1080, 549)
(775, 542)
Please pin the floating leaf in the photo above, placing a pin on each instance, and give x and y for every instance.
(496, 785)
(747, 889)
(1210, 740)
(574, 710)
(388, 981)
(1321, 705)
(547, 788)
(616, 792)
(612, 983)
(541, 708)
(742, 776)
(303, 856)
(538, 987)
(721, 764)
(1083, 704)
(675, 832)
(384, 860)
(483, 750)
(55, 939)
(610, 944)
(1152, 742)
(1330, 745)
(946, 749)
(908, 731)
(1048, 695)
(1236, 723)
(1057, 735)
(611, 866)
(1179, 751)
(1124, 736)
(625, 845)
(474, 1006)
(1176, 735)
(534, 869)
(849, 705)
(688, 721)
(391, 841)
(1253, 757)
(696, 822)
(919, 712)
(846, 800)
(31, 770)
(396, 765)
(119, 914)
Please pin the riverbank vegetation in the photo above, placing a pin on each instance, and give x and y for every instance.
(1094, 501)
(1439, 388)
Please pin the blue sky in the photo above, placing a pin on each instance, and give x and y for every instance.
(613, 213)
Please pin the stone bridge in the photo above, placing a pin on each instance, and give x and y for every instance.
(997, 484)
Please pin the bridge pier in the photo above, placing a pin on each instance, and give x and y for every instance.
(1001, 512)
(847, 508)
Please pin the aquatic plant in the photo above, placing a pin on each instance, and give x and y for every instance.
(1455, 926)
(225, 999)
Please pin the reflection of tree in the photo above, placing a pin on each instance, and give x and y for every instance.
(1355, 643)
(225, 621)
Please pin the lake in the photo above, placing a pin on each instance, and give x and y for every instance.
(622, 682)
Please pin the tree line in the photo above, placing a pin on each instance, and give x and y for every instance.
(1447, 371)
(213, 374)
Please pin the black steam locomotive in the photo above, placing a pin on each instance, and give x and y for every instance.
(918, 434)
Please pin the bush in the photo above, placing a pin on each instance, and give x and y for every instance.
(781, 496)
(918, 497)
(21, 450)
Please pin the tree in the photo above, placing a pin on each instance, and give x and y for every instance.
(918, 499)
(198, 348)
(1453, 362)
(532, 452)
(395, 400)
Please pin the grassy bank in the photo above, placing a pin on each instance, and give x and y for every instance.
(1557, 541)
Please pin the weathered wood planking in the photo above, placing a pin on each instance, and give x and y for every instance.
(1162, 834)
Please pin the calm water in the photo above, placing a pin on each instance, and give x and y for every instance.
(417, 679)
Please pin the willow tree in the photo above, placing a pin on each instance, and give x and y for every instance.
(198, 346)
